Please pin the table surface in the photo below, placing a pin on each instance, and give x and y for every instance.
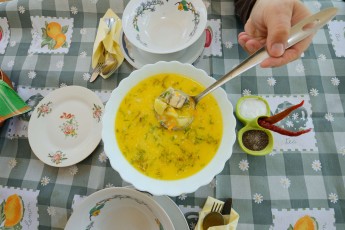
(305, 174)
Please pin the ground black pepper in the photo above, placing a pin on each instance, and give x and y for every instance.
(255, 140)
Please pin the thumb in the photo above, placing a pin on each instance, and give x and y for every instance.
(278, 30)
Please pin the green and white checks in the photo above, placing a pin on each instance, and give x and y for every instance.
(292, 177)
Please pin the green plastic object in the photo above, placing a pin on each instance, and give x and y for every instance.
(251, 124)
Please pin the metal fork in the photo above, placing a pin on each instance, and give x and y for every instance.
(97, 70)
(216, 207)
(112, 70)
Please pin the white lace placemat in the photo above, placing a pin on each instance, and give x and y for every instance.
(51, 34)
(213, 46)
(11, 198)
(287, 218)
(337, 34)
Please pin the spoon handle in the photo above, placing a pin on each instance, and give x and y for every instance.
(298, 32)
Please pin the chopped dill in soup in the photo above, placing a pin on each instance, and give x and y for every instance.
(156, 151)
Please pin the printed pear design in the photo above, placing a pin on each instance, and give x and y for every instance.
(11, 213)
(305, 223)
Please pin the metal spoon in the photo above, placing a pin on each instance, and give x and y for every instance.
(213, 218)
(177, 100)
(110, 22)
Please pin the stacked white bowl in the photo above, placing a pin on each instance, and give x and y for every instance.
(164, 27)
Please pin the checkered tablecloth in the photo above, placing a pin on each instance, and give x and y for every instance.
(303, 175)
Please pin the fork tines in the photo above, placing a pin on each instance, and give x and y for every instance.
(98, 66)
(216, 207)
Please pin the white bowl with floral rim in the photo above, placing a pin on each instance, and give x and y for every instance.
(160, 186)
(160, 26)
(119, 208)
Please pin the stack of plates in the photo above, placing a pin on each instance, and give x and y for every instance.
(163, 31)
(138, 58)
(126, 208)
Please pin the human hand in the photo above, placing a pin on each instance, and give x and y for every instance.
(269, 24)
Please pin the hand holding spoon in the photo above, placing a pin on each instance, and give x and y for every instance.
(175, 109)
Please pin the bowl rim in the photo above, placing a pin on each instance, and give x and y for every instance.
(157, 186)
(106, 192)
(127, 15)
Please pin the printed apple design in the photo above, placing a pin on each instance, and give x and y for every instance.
(208, 41)
(1, 31)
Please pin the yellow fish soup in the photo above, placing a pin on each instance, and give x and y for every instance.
(156, 151)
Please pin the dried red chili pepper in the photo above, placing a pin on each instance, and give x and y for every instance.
(280, 116)
(280, 130)
(268, 122)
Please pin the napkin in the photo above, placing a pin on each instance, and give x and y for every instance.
(108, 41)
(230, 220)
(10, 102)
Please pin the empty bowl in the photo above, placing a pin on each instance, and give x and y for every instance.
(162, 27)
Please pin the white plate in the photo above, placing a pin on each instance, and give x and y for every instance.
(138, 58)
(65, 126)
(173, 211)
(119, 208)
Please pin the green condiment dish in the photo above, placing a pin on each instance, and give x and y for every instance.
(248, 136)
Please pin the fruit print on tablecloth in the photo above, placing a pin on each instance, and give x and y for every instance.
(304, 218)
(51, 34)
(18, 208)
(4, 34)
(12, 212)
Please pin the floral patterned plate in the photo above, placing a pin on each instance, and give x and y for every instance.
(119, 208)
(65, 126)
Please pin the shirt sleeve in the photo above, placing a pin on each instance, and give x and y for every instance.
(243, 9)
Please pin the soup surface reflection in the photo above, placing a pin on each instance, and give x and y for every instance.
(156, 151)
